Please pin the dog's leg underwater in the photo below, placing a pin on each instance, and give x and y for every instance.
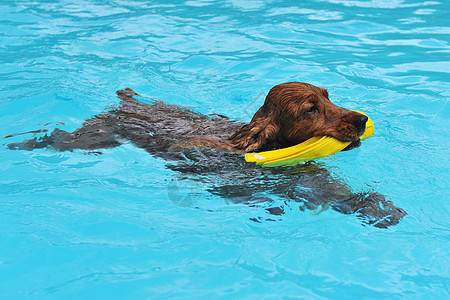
(98, 132)
(37, 143)
(61, 140)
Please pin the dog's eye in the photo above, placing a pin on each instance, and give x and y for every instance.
(312, 109)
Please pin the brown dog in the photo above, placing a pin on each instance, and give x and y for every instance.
(292, 113)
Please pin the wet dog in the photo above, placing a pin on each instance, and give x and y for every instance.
(213, 145)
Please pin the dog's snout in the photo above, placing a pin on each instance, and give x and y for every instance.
(360, 122)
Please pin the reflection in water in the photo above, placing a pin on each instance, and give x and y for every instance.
(309, 185)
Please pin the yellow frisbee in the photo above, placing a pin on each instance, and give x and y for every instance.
(315, 147)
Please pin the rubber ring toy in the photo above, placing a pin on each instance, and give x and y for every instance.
(315, 147)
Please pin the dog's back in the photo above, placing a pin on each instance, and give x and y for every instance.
(157, 127)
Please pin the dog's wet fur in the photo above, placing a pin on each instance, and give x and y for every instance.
(211, 146)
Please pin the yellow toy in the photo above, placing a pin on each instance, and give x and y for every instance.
(315, 147)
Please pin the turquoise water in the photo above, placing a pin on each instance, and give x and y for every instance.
(84, 226)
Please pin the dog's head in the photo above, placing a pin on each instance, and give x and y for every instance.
(294, 112)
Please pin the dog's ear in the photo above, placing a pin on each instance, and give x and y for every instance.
(261, 129)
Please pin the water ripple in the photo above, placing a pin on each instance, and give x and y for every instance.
(76, 224)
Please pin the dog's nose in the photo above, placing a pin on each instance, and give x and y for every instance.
(360, 122)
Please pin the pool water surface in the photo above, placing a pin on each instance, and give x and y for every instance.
(122, 225)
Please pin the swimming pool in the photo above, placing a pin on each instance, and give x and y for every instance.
(119, 225)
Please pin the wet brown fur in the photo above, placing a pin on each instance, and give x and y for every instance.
(294, 112)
